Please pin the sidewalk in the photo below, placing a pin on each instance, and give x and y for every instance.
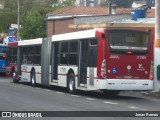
(151, 94)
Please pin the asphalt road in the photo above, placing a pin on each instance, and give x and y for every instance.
(23, 97)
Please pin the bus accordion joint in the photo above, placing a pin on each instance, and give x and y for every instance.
(103, 69)
(151, 75)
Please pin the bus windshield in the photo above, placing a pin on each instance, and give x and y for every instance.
(128, 40)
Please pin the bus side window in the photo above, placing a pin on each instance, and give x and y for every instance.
(73, 53)
(64, 53)
(92, 53)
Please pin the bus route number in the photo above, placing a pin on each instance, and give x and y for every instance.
(63, 70)
(141, 57)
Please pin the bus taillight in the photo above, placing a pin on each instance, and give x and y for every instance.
(129, 52)
(103, 69)
(151, 75)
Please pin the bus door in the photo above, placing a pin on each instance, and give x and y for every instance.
(83, 53)
(92, 59)
(2, 62)
(54, 68)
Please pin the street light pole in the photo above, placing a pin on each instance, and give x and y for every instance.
(18, 29)
(18, 49)
(157, 46)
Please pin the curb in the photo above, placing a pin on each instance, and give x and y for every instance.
(151, 94)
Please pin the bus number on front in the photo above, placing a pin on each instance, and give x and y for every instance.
(141, 57)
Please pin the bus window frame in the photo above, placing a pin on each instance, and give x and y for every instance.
(125, 51)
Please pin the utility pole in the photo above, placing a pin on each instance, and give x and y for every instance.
(109, 7)
(157, 47)
(18, 38)
(18, 22)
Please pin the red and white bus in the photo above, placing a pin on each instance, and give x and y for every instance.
(106, 59)
(12, 57)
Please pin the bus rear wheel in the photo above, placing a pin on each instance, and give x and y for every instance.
(71, 83)
(33, 78)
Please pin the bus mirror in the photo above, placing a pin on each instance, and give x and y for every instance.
(158, 72)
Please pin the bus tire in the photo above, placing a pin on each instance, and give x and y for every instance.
(71, 83)
(15, 80)
(111, 93)
(33, 78)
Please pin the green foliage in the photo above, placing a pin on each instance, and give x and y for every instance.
(34, 24)
(66, 3)
(7, 15)
(32, 16)
(5, 20)
(103, 3)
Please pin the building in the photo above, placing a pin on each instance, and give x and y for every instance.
(58, 21)
(148, 3)
(137, 4)
(82, 2)
(94, 3)
(54, 1)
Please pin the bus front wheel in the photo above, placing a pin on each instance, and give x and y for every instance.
(71, 83)
(33, 78)
(15, 80)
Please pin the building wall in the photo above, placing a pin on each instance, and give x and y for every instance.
(85, 2)
(60, 26)
(50, 28)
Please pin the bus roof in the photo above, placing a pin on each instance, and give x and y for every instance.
(30, 42)
(75, 35)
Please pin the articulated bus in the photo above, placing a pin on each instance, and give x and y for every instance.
(3, 58)
(106, 59)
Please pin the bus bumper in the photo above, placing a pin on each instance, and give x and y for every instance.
(125, 84)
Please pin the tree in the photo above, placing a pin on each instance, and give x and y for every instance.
(65, 3)
(34, 24)
(7, 15)
(32, 16)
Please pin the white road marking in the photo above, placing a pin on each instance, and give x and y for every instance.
(60, 92)
(90, 99)
(108, 102)
(38, 88)
(75, 95)
(136, 108)
(47, 90)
